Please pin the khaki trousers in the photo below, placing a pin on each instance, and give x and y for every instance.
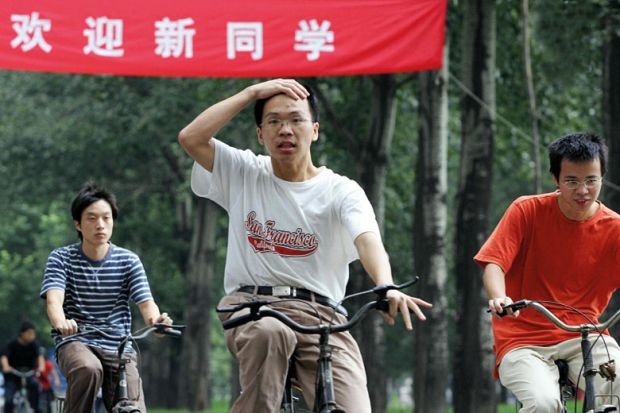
(264, 347)
(531, 374)
(89, 368)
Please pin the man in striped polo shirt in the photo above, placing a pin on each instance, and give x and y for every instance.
(91, 283)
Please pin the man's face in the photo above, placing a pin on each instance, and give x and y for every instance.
(28, 336)
(287, 130)
(96, 223)
(580, 185)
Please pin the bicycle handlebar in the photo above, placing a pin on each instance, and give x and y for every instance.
(518, 305)
(158, 328)
(23, 374)
(256, 313)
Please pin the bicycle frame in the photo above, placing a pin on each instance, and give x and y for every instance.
(123, 404)
(22, 394)
(325, 399)
(586, 347)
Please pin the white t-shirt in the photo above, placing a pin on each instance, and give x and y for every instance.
(297, 234)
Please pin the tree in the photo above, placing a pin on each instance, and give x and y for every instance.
(474, 387)
(611, 119)
(372, 166)
(430, 222)
(194, 385)
(371, 155)
(531, 97)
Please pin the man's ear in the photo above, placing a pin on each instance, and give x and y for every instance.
(315, 128)
(77, 225)
(259, 134)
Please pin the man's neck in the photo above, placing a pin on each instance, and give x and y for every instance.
(294, 172)
(95, 252)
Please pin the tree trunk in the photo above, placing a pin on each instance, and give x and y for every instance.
(531, 95)
(430, 221)
(194, 384)
(372, 171)
(158, 365)
(474, 388)
(611, 115)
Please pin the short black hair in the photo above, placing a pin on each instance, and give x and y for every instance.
(259, 106)
(25, 326)
(577, 147)
(88, 195)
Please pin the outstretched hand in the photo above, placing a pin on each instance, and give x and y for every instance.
(289, 87)
(404, 304)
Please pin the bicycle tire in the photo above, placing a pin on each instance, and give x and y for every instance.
(24, 408)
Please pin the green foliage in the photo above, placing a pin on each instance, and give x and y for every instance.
(58, 131)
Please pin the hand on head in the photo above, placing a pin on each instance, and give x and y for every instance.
(289, 87)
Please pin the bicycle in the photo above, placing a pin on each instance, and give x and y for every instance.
(123, 404)
(324, 401)
(20, 399)
(606, 370)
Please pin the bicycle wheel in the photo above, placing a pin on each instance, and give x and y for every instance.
(20, 405)
(298, 404)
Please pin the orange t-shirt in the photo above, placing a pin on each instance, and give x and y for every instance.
(547, 256)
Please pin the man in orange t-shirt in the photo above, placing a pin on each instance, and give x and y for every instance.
(562, 246)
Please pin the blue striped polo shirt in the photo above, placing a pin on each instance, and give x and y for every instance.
(97, 292)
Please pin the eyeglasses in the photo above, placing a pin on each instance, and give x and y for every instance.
(276, 123)
(589, 183)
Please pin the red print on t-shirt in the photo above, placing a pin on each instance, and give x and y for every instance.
(267, 238)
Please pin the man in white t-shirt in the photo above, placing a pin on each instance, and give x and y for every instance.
(294, 228)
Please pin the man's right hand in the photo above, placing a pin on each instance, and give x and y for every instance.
(496, 307)
(289, 87)
(67, 327)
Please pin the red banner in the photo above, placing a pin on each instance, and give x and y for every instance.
(234, 38)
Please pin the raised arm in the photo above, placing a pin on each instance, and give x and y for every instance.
(195, 138)
(377, 264)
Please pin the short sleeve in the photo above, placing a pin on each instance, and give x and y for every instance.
(139, 289)
(504, 243)
(357, 213)
(55, 276)
(228, 168)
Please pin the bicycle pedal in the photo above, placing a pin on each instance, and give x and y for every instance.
(608, 370)
(568, 392)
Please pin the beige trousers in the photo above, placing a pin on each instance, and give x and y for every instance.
(89, 368)
(264, 347)
(531, 374)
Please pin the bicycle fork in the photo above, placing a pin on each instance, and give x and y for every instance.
(588, 373)
(325, 398)
(123, 405)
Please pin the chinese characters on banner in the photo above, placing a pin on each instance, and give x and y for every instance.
(238, 38)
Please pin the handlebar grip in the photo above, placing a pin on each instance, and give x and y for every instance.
(175, 330)
(383, 305)
(237, 321)
(172, 332)
(516, 306)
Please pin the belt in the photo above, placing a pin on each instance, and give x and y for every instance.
(293, 292)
